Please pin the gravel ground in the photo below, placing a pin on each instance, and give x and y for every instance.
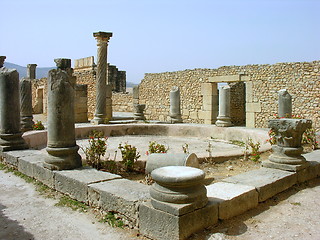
(26, 215)
(293, 214)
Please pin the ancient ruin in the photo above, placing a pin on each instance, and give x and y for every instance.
(207, 103)
(10, 132)
(61, 146)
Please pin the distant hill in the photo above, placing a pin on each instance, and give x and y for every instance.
(131, 84)
(40, 72)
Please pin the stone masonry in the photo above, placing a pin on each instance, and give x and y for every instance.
(262, 83)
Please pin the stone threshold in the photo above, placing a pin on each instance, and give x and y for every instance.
(232, 196)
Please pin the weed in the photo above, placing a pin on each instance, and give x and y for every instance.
(112, 220)
(155, 147)
(238, 143)
(75, 205)
(255, 154)
(185, 148)
(209, 149)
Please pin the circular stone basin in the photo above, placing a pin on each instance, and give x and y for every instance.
(199, 146)
(203, 140)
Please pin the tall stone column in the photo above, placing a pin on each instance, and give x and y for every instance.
(224, 120)
(26, 104)
(101, 77)
(175, 111)
(285, 104)
(61, 146)
(10, 134)
(31, 71)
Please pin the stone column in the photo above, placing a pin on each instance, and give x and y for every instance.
(10, 134)
(101, 77)
(285, 104)
(61, 146)
(135, 95)
(2, 59)
(138, 111)
(175, 112)
(224, 120)
(287, 153)
(26, 104)
(108, 103)
(31, 71)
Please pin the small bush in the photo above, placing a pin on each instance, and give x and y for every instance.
(155, 147)
(38, 126)
(129, 155)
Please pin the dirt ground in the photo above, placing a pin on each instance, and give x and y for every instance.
(24, 214)
(293, 214)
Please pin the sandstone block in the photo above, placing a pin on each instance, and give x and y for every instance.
(233, 199)
(268, 182)
(75, 182)
(160, 225)
(120, 195)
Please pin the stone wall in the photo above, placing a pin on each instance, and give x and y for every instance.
(85, 71)
(262, 82)
(122, 102)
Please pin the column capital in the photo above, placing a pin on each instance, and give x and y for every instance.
(32, 65)
(102, 36)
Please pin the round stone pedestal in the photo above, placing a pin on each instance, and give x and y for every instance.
(178, 190)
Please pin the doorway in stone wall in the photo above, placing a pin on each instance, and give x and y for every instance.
(238, 98)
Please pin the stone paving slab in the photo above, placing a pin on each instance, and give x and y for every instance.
(161, 225)
(75, 182)
(233, 199)
(11, 157)
(267, 181)
(26, 164)
(119, 195)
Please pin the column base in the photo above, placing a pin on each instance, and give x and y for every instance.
(223, 122)
(63, 158)
(285, 167)
(9, 142)
(26, 123)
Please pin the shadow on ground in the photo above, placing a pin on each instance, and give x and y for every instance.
(11, 229)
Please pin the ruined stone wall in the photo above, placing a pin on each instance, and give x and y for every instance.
(238, 103)
(88, 77)
(122, 102)
(301, 79)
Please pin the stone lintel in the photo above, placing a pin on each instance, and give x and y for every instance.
(103, 35)
(229, 78)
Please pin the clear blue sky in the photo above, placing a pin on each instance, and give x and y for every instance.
(162, 35)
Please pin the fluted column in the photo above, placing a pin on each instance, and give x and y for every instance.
(26, 104)
(31, 71)
(101, 77)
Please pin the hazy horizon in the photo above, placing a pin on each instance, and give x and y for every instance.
(162, 35)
